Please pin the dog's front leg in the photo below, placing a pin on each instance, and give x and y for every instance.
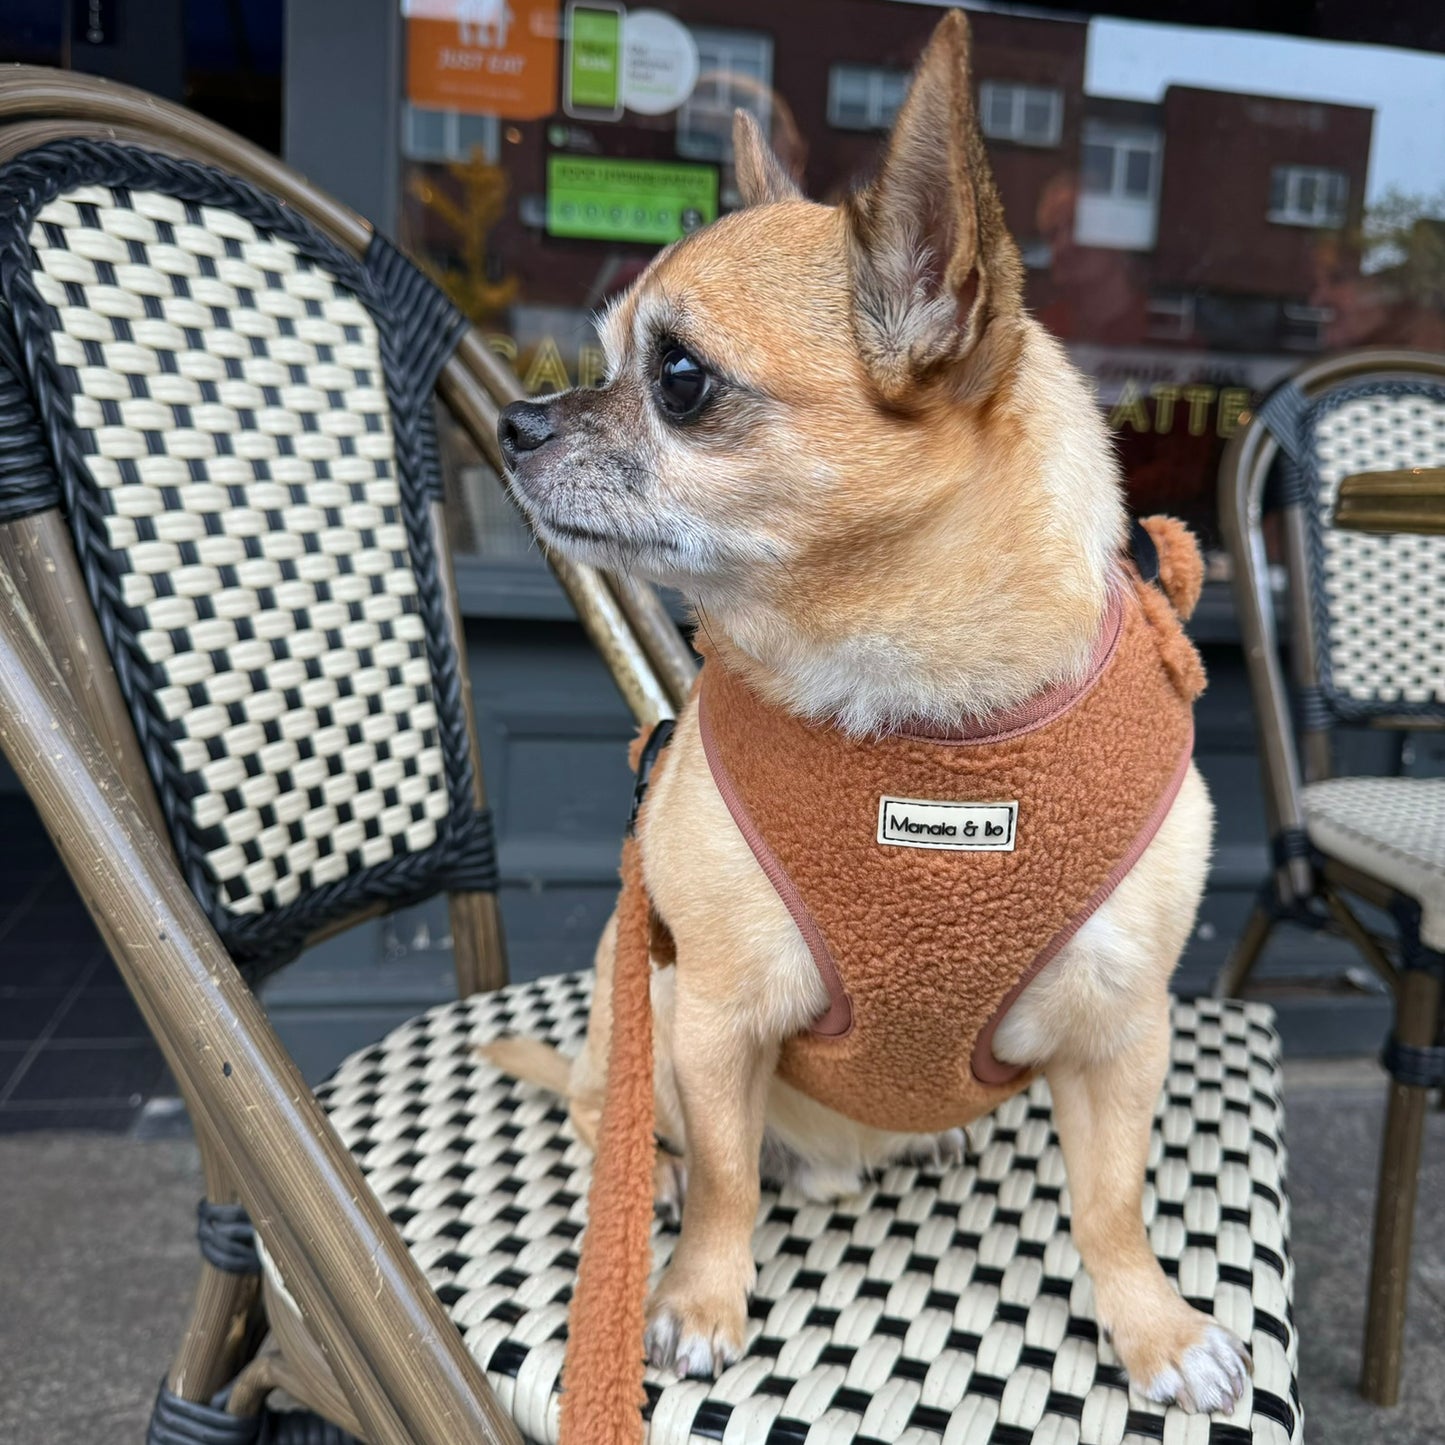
(1103, 1110)
(698, 1313)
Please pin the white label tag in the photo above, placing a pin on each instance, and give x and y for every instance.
(964, 827)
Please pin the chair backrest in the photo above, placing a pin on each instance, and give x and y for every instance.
(1375, 604)
(239, 421)
(1367, 612)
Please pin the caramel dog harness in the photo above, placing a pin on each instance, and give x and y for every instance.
(933, 877)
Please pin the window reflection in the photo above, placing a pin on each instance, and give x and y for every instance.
(1198, 210)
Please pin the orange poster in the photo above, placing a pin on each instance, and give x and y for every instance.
(498, 57)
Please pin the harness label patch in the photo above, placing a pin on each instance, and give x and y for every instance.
(963, 827)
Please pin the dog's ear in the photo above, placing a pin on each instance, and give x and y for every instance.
(761, 177)
(932, 262)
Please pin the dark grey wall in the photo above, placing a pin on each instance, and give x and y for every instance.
(143, 44)
(343, 99)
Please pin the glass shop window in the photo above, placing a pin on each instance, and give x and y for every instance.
(1200, 210)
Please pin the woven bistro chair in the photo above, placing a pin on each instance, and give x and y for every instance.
(231, 678)
(1366, 648)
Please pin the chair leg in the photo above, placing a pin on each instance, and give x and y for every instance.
(477, 943)
(1417, 1021)
(1245, 953)
(220, 1334)
(1394, 1226)
(225, 1325)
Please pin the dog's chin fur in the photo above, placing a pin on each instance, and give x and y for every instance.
(905, 651)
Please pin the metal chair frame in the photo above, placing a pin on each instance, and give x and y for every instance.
(1306, 886)
(378, 1354)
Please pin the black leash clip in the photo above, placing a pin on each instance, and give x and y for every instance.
(1144, 551)
(657, 740)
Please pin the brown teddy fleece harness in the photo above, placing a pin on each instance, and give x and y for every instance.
(931, 877)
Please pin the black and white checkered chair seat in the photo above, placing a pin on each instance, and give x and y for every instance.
(942, 1304)
(236, 416)
(1378, 601)
(1391, 828)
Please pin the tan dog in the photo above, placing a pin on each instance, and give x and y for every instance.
(813, 419)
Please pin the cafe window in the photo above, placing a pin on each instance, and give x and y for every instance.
(1308, 196)
(1025, 114)
(735, 71)
(865, 97)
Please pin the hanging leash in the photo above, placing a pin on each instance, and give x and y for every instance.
(602, 1394)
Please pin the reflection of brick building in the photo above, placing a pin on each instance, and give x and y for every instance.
(1192, 221)
(1248, 186)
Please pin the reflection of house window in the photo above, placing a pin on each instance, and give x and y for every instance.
(865, 97)
(1308, 196)
(1302, 328)
(1032, 115)
(1171, 316)
(735, 69)
(1036, 255)
(1118, 186)
(447, 135)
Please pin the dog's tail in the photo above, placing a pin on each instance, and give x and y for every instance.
(531, 1061)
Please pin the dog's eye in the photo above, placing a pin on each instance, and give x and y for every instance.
(682, 382)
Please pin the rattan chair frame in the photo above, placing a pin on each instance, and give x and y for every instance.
(1307, 886)
(379, 1355)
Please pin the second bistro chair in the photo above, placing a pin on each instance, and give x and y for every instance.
(1366, 646)
(232, 679)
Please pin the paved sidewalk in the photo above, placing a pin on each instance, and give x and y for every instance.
(97, 1263)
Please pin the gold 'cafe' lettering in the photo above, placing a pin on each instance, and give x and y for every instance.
(1192, 403)
(547, 371)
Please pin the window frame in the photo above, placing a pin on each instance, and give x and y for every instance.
(1019, 92)
(1292, 213)
(452, 151)
(877, 115)
(1295, 316)
(1171, 316)
(704, 128)
(1122, 140)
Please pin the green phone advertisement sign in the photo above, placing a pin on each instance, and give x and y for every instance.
(652, 202)
(594, 58)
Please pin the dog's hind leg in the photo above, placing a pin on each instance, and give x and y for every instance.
(1103, 1109)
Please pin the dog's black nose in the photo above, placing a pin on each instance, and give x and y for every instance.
(522, 427)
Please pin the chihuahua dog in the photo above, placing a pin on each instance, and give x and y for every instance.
(890, 497)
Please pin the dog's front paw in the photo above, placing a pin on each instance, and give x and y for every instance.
(697, 1334)
(1194, 1363)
